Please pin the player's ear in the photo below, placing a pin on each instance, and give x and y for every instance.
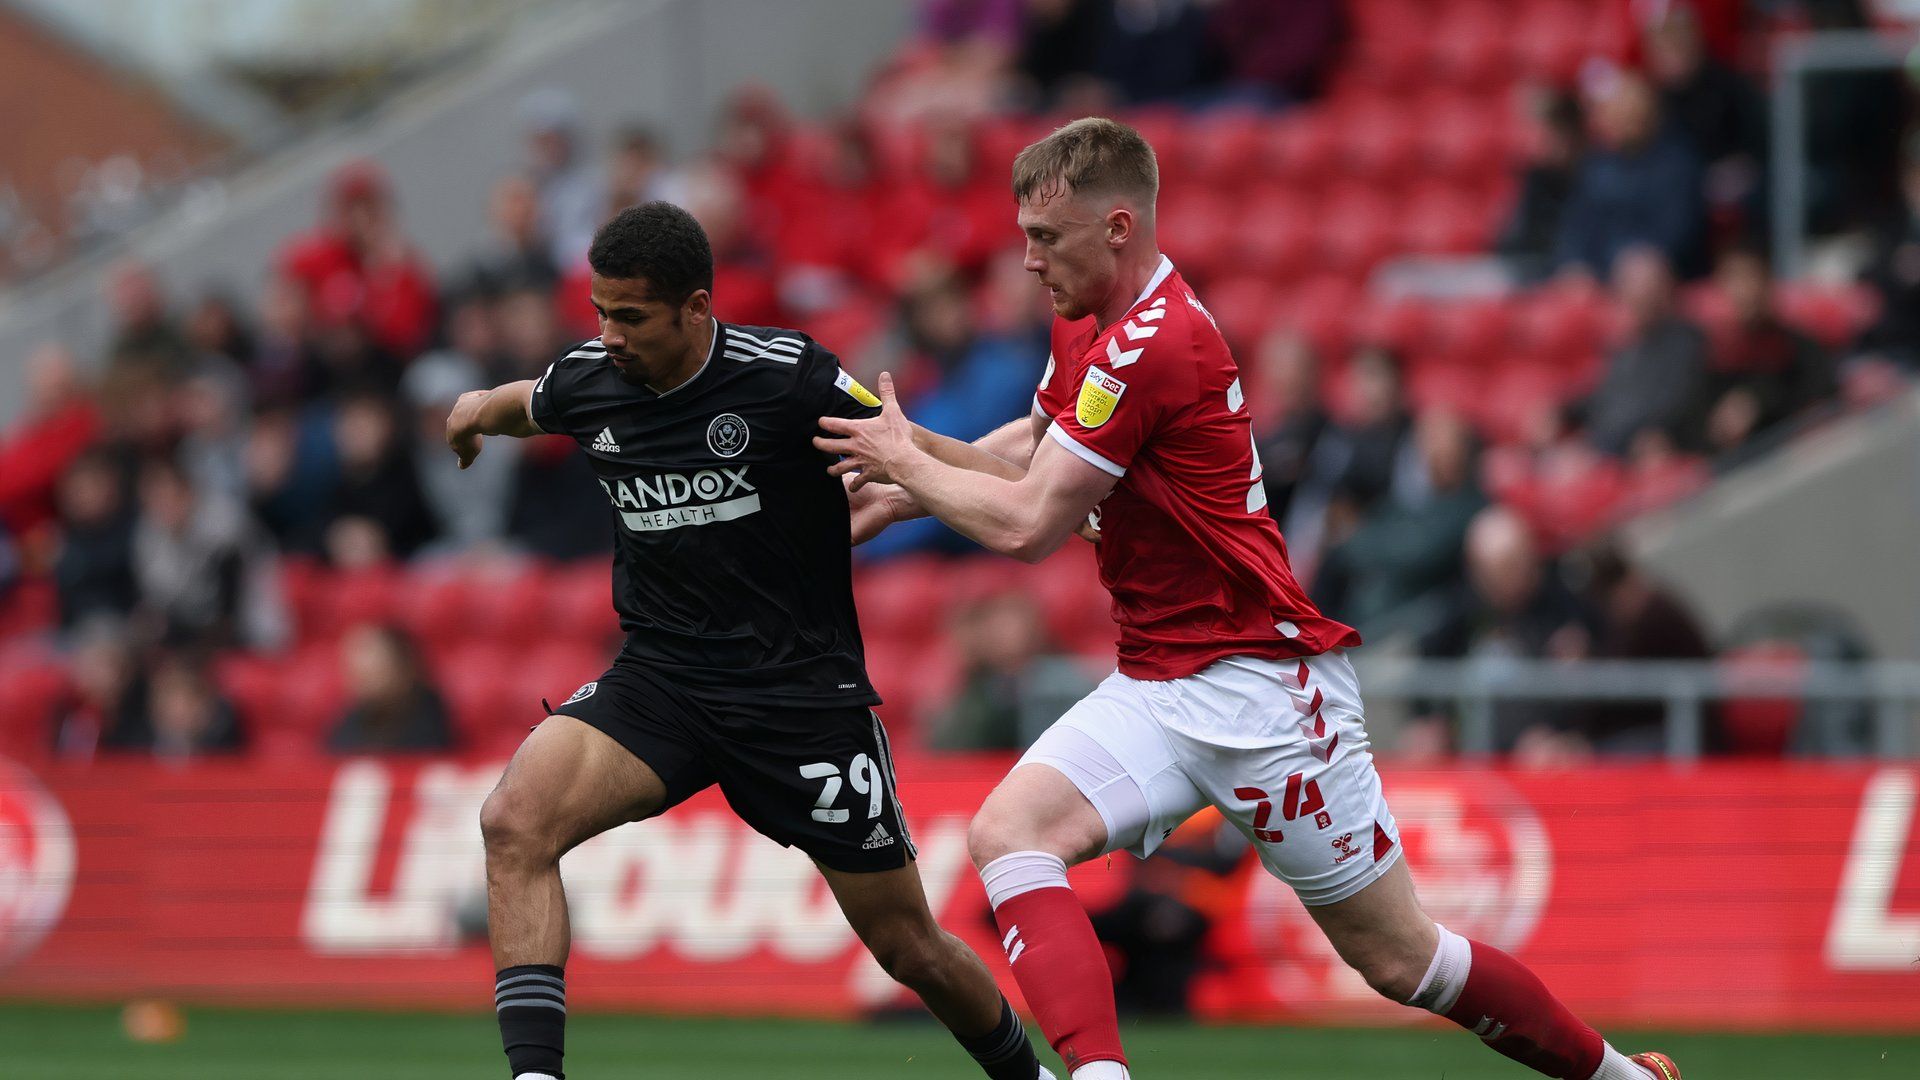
(699, 305)
(1119, 226)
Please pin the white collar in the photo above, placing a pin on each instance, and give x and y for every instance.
(1160, 274)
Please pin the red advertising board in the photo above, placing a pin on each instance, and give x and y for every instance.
(1714, 896)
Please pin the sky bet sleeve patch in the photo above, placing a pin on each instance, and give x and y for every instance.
(854, 390)
(1099, 394)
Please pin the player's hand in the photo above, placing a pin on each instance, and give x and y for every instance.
(463, 425)
(873, 507)
(1089, 530)
(872, 447)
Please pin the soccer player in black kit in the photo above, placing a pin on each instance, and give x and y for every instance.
(743, 664)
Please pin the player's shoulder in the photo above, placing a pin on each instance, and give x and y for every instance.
(576, 362)
(769, 345)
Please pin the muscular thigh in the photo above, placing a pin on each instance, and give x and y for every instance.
(571, 782)
(1281, 750)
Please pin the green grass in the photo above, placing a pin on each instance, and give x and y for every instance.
(53, 1043)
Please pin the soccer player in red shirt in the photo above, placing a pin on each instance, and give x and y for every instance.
(1233, 690)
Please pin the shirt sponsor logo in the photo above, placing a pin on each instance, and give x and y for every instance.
(727, 435)
(1099, 394)
(660, 502)
(851, 386)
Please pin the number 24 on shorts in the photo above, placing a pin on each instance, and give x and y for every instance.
(1302, 797)
(866, 779)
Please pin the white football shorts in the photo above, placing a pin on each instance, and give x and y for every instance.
(1277, 745)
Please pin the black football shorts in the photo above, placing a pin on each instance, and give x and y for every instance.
(818, 779)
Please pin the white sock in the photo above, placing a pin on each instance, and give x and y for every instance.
(1615, 1066)
(1022, 872)
(1102, 1070)
(1446, 975)
(534, 1076)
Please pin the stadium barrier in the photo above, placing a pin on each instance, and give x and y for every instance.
(1708, 895)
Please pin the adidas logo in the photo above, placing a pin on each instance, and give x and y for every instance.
(878, 838)
(604, 442)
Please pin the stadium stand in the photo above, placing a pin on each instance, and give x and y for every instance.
(1282, 206)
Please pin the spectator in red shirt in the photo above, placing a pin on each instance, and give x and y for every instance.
(60, 422)
(358, 267)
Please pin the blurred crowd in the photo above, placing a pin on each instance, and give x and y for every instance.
(163, 496)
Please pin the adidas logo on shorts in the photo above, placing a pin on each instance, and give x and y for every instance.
(604, 442)
(878, 838)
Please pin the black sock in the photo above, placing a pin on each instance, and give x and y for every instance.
(1004, 1053)
(531, 1001)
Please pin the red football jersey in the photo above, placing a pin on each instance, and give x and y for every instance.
(1196, 566)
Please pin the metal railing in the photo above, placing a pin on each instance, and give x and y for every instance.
(1796, 59)
(1889, 690)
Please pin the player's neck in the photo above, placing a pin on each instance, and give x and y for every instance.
(698, 350)
(1134, 275)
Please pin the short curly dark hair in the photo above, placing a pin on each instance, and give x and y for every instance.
(659, 242)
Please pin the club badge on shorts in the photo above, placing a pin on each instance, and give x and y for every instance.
(1098, 396)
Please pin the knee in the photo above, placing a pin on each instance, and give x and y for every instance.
(914, 957)
(1394, 974)
(999, 829)
(511, 829)
(993, 834)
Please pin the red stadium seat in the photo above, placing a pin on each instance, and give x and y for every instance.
(1302, 151)
(1379, 142)
(480, 684)
(1356, 230)
(311, 692)
(355, 597)
(1761, 727)
(31, 606)
(1320, 308)
(1574, 501)
(580, 602)
(437, 607)
(1653, 487)
(1402, 325)
(29, 690)
(1272, 234)
(1473, 334)
(903, 601)
(1224, 149)
(1560, 325)
(1464, 139)
(1246, 309)
(1202, 230)
(1553, 37)
(1471, 45)
(1834, 316)
(1443, 222)
(1517, 398)
(1445, 387)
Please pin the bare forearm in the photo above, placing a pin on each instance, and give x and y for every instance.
(505, 412)
(973, 456)
(1013, 440)
(986, 508)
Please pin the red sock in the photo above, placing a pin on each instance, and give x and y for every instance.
(1513, 1012)
(1063, 972)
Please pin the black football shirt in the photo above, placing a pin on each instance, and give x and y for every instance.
(732, 569)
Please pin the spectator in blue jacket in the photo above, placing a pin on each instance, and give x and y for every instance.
(1639, 185)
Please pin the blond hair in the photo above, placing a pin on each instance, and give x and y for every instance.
(1092, 154)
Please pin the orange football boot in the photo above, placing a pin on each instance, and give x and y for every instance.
(1659, 1065)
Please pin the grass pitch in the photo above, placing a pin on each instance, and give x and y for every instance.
(56, 1043)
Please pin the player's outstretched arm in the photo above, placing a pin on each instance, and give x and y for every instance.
(1028, 518)
(504, 410)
